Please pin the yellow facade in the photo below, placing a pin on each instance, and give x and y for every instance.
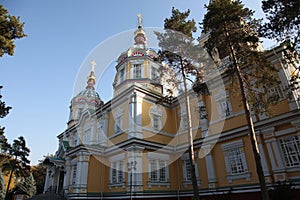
(137, 145)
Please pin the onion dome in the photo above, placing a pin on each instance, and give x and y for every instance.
(89, 94)
(87, 99)
(139, 49)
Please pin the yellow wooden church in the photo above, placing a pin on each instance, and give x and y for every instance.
(135, 145)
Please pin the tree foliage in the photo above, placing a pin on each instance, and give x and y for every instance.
(39, 174)
(183, 56)
(230, 24)
(26, 185)
(283, 21)
(233, 31)
(283, 25)
(11, 28)
(19, 162)
(4, 110)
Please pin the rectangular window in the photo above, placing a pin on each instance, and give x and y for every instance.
(275, 93)
(184, 123)
(114, 172)
(225, 108)
(290, 147)
(162, 171)
(117, 172)
(120, 171)
(87, 136)
(122, 75)
(187, 169)
(118, 124)
(158, 171)
(153, 170)
(137, 71)
(154, 74)
(156, 122)
(235, 160)
(187, 172)
(74, 174)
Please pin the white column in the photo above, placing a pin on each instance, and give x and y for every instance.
(82, 171)
(103, 131)
(132, 115)
(46, 186)
(135, 116)
(57, 180)
(210, 167)
(135, 155)
(67, 174)
(262, 152)
(276, 160)
(277, 154)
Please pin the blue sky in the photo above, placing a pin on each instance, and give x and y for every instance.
(39, 79)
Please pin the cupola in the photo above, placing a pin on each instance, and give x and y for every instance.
(87, 99)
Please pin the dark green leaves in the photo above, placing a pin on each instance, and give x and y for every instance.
(11, 28)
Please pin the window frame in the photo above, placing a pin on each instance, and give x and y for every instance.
(290, 149)
(232, 147)
(137, 71)
(158, 174)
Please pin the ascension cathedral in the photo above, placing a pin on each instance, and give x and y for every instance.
(135, 146)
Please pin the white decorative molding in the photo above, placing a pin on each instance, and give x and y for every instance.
(118, 112)
(285, 131)
(234, 144)
(267, 130)
(246, 176)
(156, 110)
(158, 156)
(117, 157)
(136, 61)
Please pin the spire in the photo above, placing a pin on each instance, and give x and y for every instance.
(139, 34)
(140, 20)
(92, 79)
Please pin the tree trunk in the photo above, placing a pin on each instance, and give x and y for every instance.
(190, 135)
(259, 169)
(9, 181)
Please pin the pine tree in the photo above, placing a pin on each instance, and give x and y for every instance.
(283, 25)
(233, 31)
(10, 30)
(179, 52)
(39, 174)
(26, 185)
(19, 162)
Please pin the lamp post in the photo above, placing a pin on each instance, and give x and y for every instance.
(131, 166)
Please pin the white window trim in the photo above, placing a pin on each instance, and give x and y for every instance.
(118, 115)
(156, 112)
(286, 153)
(185, 158)
(120, 78)
(230, 146)
(157, 157)
(155, 69)
(117, 159)
(276, 90)
(136, 62)
(88, 135)
(184, 123)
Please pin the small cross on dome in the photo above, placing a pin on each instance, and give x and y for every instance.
(94, 64)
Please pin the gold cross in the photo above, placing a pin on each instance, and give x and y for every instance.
(93, 63)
